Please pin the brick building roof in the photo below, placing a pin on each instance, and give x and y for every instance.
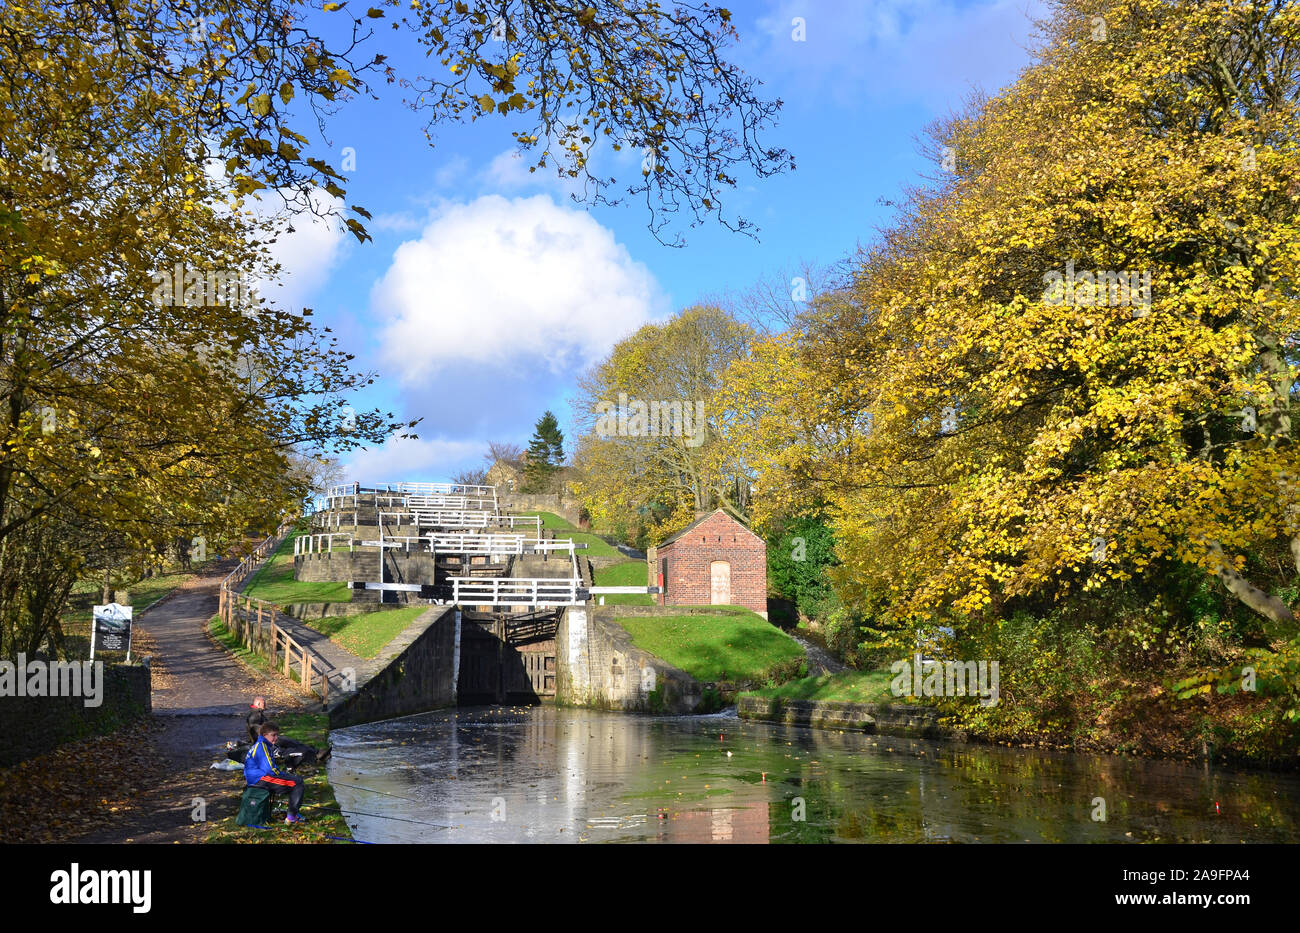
(701, 520)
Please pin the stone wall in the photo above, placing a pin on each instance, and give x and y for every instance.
(415, 673)
(34, 725)
(882, 718)
(599, 667)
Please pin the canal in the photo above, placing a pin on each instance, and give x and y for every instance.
(546, 774)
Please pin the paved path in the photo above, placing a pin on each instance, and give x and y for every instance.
(820, 661)
(200, 698)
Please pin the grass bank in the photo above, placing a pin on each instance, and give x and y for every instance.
(733, 645)
(366, 635)
(596, 546)
(846, 687)
(274, 582)
(631, 572)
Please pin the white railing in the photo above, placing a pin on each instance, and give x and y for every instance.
(402, 541)
(319, 543)
(522, 521)
(413, 489)
(452, 502)
(333, 518)
(449, 518)
(515, 591)
(566, 544)
(476, 544)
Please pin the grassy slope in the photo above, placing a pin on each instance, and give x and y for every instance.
(737, 646)
(596, 547)
(365, 635)
(848, 686)
(274, 582)
(629, 573)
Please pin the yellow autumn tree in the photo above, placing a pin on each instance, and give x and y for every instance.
(1072, 360)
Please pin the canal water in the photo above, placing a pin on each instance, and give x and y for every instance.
(546, 774)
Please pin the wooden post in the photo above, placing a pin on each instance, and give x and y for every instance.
(306, 669)
(288, 653)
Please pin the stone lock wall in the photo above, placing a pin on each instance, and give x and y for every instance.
(718, 537)
(415, 673)
(599, 667)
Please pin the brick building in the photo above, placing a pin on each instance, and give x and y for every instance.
(714, 560)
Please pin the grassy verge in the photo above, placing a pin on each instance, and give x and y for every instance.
(226, 638)
(846, 686)
(274, 582)
(629, 573)
(596, 547)
(365, 635)
(320, 807)
(144, 593)
(736, 646)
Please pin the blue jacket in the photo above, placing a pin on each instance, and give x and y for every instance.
(258, 763)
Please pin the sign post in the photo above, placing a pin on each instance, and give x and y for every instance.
(111, 629)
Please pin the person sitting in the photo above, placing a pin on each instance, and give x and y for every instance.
(288, 751)
(260, 771)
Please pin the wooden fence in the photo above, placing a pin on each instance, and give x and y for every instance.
(252, 621)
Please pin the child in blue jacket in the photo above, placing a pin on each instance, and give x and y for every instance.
(260, 771)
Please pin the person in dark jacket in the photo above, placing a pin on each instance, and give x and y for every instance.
(286, 750)
(260, 771)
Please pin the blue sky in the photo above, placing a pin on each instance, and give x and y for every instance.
(486, 290)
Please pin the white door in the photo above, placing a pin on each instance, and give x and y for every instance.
(720, 583)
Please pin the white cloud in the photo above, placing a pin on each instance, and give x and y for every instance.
(509, 169)
(929, 49)
(399, 460)
(307, 246)
(509, 284)
(401, 222)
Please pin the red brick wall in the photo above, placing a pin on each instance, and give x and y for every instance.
(718, 537)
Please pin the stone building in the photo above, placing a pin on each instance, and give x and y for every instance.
(715, 560)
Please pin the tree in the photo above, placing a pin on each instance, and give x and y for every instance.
(648, 454)
(238, 75)
(146, 394)
(1071, 365)
(545, 455)
(506, 452)
(473, 476)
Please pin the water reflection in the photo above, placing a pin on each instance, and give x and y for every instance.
(559, 775)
